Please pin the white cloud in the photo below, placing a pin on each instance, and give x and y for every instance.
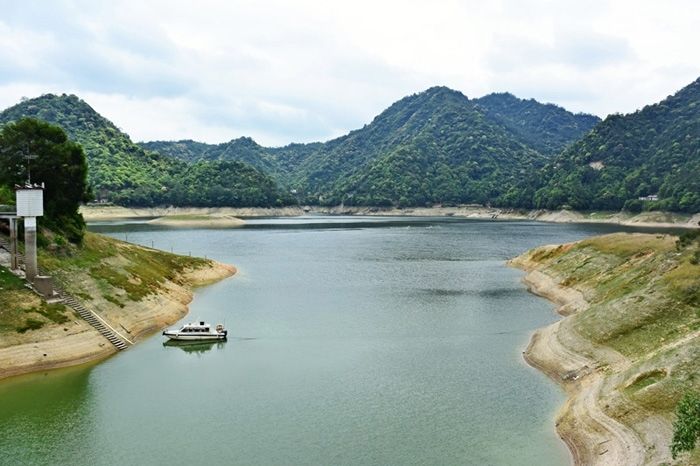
(309, 70)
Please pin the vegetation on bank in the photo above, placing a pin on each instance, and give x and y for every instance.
(118, 271)
(22, 310)
(644, 295)
(686, 428)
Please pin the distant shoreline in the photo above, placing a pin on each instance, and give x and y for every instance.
(226, 216)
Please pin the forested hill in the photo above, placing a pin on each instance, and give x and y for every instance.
(122, 172)
(547, 128)
(435, 146)
(654, 151)
(243, 149)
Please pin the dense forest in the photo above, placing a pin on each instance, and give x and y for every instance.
(654, 152)
(124, 173)
(434, 147)
(437, 146)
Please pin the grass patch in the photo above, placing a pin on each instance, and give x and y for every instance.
(30, 324)
(114, 264)
(54, 312)
(113, 300)
(627, 245)
(646, 379)
(83, 296)
(10, 281)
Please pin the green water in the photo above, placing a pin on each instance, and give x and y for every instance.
(354, 341)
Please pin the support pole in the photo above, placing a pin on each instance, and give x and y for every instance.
(13, 244)
(30, 267)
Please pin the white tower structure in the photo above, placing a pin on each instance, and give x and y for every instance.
(30, 205)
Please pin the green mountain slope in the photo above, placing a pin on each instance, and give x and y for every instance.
(435, 146)
(546, 128)
(123, 172)
(654, 151)
(279, 162)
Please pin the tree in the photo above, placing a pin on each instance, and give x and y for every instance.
(60, 164)
(686, 428)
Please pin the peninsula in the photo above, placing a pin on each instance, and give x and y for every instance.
(627, 347)
(136, 290)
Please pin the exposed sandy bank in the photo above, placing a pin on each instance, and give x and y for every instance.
(600, 422)
(592, 437)
(199, 221)
(76, 342)
(650, 219)
(105, 213)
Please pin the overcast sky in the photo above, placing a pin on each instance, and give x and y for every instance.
(300, 71)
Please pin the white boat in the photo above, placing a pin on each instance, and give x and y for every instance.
(196, 331)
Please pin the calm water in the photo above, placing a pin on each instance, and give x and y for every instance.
(355, 341)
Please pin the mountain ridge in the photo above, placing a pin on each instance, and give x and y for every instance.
(346, 168)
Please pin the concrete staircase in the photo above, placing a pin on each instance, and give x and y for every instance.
(119, 341)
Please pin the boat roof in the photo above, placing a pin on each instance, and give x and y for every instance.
(201, 323)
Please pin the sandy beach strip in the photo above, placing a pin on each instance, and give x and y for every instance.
(645, 219)
(572, 362)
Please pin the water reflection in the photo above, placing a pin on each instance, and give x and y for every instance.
(194, 347)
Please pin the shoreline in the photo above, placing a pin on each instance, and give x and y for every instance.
(76, 342)
(581, 370)
(162, 214)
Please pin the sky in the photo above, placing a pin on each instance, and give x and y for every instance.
(302, 71)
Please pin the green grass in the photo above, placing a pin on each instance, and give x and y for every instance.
(53, 312)
(10, 281)
(30, 324)
(21, 310)
(117, 265)
(114, 300)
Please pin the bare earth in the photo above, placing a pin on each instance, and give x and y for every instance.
(587, 374)
(76, 342)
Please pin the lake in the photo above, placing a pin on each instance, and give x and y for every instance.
(352, 340)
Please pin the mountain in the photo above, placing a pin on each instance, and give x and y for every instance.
(123, 172)
(435, 146)
(243, 149)
(546, 128)
(652, 152)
